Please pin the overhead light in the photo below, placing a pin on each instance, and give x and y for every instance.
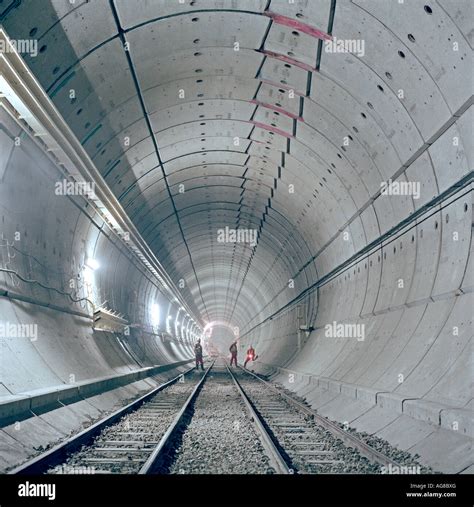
(155, 314)
(92, 263)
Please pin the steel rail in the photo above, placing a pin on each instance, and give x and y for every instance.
(151, 464)
(348, 439)
(276, 459)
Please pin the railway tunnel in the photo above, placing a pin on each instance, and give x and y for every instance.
(293, 175)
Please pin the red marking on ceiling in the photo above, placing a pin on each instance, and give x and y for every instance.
(276, 108)
(289, 60)
(279, 85)
(264, 126)
(298, 25)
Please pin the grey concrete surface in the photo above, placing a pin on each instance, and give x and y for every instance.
(232, 113)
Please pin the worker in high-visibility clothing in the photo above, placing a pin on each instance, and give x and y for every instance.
(250, 356)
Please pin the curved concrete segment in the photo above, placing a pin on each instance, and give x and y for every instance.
(301, 171)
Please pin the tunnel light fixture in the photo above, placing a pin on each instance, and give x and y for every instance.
(92, 263)
(26, 102)
(155, 315)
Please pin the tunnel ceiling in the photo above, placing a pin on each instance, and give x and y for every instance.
(206, 114)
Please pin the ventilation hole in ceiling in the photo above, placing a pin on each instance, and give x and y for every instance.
(411, 38)
(273, 124)
(87, 125)
(200, 95)
(412, 238)
(287, 65)
(276, 113)
(202, 139)
(385, 255)
(278, 104)
(421, 233)
(343, 148)
(401, 245)
(203, 133)
(299, 15)
(197, 53)
(329, 171)
(194, 20)
(43, 48)
(267, 147)
(73, 100)
(202, 124)
(198, 80)
(201, 116)
(363, 115)
(103, 151)
(401, 54)
(33, 31)
(370, 105)
(196, 41)
(388, 75)
(370, 263)
(394, 249)
(192, 4)
(339, 155)
(295, 33)
(436, 225)
(325, 180)
(281, 90)
(332, 165)
(380, 88)
(321, 185)
(201, 104)
(55, 70)
(290, 53)
(428, 9)
(198, 70)
(283, 82)
(350, 137)
(271, 133)
(98, 145)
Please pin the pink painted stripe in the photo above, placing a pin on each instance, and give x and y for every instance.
(298, 25)
(276, 108)
(284, 87)
(287, 59)
(271, 129)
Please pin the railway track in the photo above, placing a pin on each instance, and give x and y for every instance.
(218, 421)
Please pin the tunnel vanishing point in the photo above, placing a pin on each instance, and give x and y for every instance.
(293, 175)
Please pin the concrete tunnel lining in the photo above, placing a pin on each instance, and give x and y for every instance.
(278, 136)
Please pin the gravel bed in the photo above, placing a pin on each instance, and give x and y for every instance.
(220, 439)
(403, 458)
